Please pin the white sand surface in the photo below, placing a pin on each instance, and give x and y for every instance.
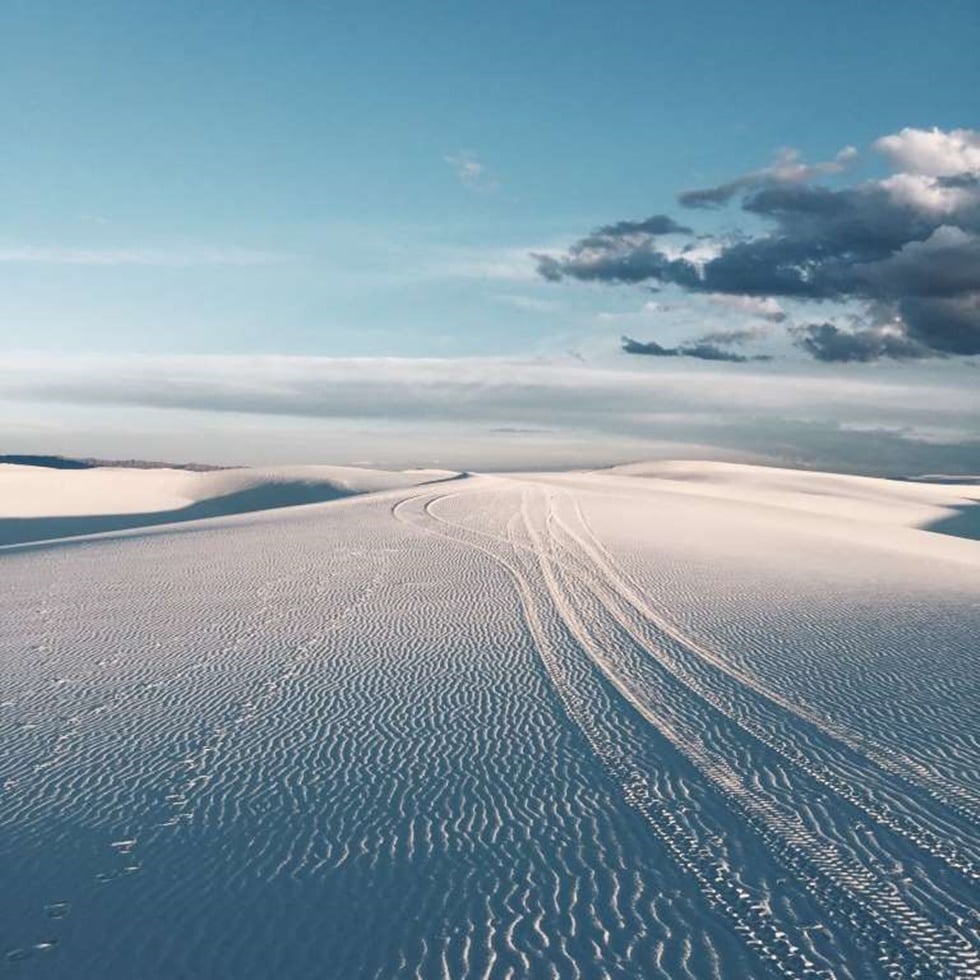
(856, 498)
(707, 722)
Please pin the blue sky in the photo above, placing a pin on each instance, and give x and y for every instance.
(369, 180)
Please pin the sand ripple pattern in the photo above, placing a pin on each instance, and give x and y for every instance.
(456, 731)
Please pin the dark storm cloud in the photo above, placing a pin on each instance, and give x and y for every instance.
(657, 224)
(711, 197)
(615, 261)
(950, 325)
(712, 352)
(826, 342)
(964, 180)
(699, 349)
(910, 242)
(827, 245)
(649, 347)
(632, 241)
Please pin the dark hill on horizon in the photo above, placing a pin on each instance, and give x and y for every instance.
(88, 463)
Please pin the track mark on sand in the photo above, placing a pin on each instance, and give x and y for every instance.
(852, 883)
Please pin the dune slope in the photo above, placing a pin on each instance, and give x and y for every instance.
(40, 504)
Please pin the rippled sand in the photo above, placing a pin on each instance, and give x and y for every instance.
(606, 725)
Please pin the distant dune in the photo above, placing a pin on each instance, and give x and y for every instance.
(40, 503)
(948, 507)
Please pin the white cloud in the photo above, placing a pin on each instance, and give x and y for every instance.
(648, 313)
(698, 253)
(789, 168)
(929, 195)
(764, 307)
(499, 264)
(933, 152)
(533, 304)
(471, 171)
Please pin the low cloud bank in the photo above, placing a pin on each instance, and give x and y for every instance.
(884, 418)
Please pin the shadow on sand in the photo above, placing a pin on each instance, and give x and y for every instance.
(21, 530)
(965, 523)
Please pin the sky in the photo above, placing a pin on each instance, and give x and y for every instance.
(492, 234)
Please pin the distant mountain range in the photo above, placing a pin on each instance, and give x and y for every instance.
(88, 462)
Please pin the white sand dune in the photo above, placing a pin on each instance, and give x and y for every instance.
(37, 503)
(855, 498)
(711, 722)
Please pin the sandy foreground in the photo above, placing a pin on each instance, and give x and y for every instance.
(665, 720)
